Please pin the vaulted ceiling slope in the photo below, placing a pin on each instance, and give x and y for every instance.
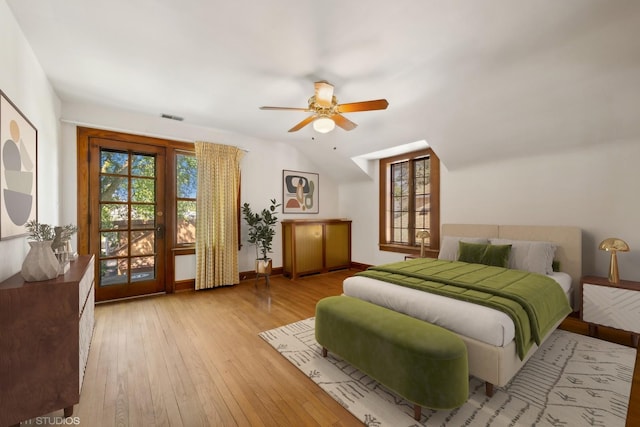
(478, 80)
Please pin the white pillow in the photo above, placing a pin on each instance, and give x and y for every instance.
(449, 246)
(527, 255)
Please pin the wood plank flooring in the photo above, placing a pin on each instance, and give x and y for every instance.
(195, 359)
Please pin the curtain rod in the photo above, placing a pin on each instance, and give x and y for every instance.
(150, 134)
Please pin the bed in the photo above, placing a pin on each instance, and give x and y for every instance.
(487, 333)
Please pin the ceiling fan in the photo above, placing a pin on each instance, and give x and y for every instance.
(327, 113)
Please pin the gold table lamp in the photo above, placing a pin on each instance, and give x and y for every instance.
(423, 234)
(614, 245)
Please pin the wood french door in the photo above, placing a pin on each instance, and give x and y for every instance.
(127, 217)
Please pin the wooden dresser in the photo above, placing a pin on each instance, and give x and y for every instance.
(315, 246)
(45, 334)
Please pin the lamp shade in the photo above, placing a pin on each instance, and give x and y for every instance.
(423, 234)
(614, 244)
(323, 125)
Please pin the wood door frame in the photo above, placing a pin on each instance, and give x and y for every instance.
(84, 136)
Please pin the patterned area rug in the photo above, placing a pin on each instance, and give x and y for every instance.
(572, 380)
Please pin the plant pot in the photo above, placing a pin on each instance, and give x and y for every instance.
(263, 267)
(40, 263)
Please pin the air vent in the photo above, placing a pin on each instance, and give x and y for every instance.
(172, 117)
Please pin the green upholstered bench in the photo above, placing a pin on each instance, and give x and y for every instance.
(424, 363)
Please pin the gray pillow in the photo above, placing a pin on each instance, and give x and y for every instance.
(529, 255)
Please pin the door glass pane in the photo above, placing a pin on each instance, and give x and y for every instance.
(143, 190)
(142, 268)
(113, 189)
(112, 162)
(143, 242)
(113, 272)
(113, 216)
(143, 165)
(113, 243)
(142, 216)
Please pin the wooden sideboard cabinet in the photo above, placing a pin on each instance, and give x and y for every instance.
(613, 305)
(45, 334)
(315, 246)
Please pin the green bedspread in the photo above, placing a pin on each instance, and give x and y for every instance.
(535, 302)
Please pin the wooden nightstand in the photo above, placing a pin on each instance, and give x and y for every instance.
(613, 305)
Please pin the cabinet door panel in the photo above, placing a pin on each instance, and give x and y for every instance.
(337, 245)
(308, 241)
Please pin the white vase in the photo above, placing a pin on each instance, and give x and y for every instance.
(40, 263)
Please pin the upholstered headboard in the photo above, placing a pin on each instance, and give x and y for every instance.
(568, 239)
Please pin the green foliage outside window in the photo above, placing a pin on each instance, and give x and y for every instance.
(187, 187)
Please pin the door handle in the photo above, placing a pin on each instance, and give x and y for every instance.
(160, 231)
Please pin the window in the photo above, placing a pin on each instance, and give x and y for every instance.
(409, 201)
(186, 185)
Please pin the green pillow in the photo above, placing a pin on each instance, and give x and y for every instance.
(477, 253)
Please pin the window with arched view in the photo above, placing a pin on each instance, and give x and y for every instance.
(409, 200)
(187, 186)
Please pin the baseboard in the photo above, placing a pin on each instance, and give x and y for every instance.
(184, 285)
(359, 266)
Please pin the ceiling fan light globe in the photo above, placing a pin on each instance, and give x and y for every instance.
(323, 125)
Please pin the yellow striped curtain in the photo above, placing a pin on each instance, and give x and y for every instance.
(217, 215)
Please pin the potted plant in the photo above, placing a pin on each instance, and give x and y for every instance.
(261, 232)
(41, 262)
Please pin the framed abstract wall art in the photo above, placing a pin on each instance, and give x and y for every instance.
(300, 192)
(18, 170)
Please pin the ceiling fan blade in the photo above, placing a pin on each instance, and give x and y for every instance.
(324, 93)
(285, 108)
(302, 123)
(377, 104)
(343, 122)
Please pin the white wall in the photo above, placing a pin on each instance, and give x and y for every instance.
(359, 202)
(24, 82)
(261, 167)
(596, 188)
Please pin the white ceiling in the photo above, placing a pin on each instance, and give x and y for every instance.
(478, 79)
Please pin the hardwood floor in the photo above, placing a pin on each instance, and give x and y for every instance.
(195, 359)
